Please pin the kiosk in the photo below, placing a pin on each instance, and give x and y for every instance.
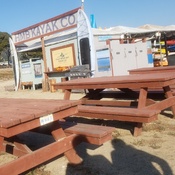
(31, 72)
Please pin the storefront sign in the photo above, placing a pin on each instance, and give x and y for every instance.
(63, 57)
(57, 24)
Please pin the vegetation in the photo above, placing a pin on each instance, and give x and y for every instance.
(6, 74)
(4, 40)
(5, 55)
(30, 54)
(4, 47)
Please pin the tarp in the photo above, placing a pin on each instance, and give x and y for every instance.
(118, 30)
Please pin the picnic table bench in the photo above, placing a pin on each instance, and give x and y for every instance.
(21, 115)
(146, 109)
(119, 113)
(93, 134)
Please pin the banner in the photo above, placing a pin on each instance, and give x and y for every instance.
(57, 24)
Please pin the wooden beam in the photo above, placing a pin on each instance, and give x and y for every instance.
(45, 80)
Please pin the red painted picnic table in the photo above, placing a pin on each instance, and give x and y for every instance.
(20, 115)
(127, 84)
(146, 70)
(154, 70)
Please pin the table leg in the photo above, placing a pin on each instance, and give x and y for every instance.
(142, 97)
(37, 157)
(67, 93)
(141, 103)
(20, 149)
(71, 154)
(137, 129)
(1, 143)
(168, 93)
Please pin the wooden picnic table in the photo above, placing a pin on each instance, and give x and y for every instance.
(146, 70)
(153, 70)
(21, 115)
(94, 106)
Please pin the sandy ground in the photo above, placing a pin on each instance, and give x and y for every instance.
(152, 153)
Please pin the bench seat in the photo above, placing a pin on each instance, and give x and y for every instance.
(93, 134)
(118, 113)
(138, 116)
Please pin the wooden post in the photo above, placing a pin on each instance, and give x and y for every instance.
(64, 79)
(166, 47)
(45, 80)
(51, 87)
(111, 57)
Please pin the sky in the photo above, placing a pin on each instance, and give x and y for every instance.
(19, 14)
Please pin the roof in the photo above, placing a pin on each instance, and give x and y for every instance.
(147, 30)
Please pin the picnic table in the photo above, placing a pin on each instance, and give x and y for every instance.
(146, 70)
(18, 116)
(153, 70)
(144, 109)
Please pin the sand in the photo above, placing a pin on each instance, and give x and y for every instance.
(152, 153)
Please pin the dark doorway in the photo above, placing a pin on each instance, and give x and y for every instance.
(85, 51)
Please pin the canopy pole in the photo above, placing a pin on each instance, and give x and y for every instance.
(166, 48)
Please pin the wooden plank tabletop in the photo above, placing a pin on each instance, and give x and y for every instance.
(125, 81)
(153, 70)
(16, 111)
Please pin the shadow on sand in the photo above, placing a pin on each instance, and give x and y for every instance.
(125, 160)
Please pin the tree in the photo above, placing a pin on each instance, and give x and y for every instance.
(5, 54)
(4, 47)
(4, 40)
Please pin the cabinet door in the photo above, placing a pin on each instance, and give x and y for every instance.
(142, 55)
(123, 58)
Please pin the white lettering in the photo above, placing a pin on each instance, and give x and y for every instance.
(64, 24)
(48, 28)
(42, 28)
(27, 34)
(38, 31)
(33, 32)
(71, 19)
(54, 26)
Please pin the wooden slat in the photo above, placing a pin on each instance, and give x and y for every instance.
(118, 111)
(109, 103)
(93, 134)
(147, 70)
(86, 129)
(16, 111)
(131, 81)
(164, 104)
(125, 118)
(37, 157)
(26, 126)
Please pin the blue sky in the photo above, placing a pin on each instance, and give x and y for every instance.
(19, 14)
